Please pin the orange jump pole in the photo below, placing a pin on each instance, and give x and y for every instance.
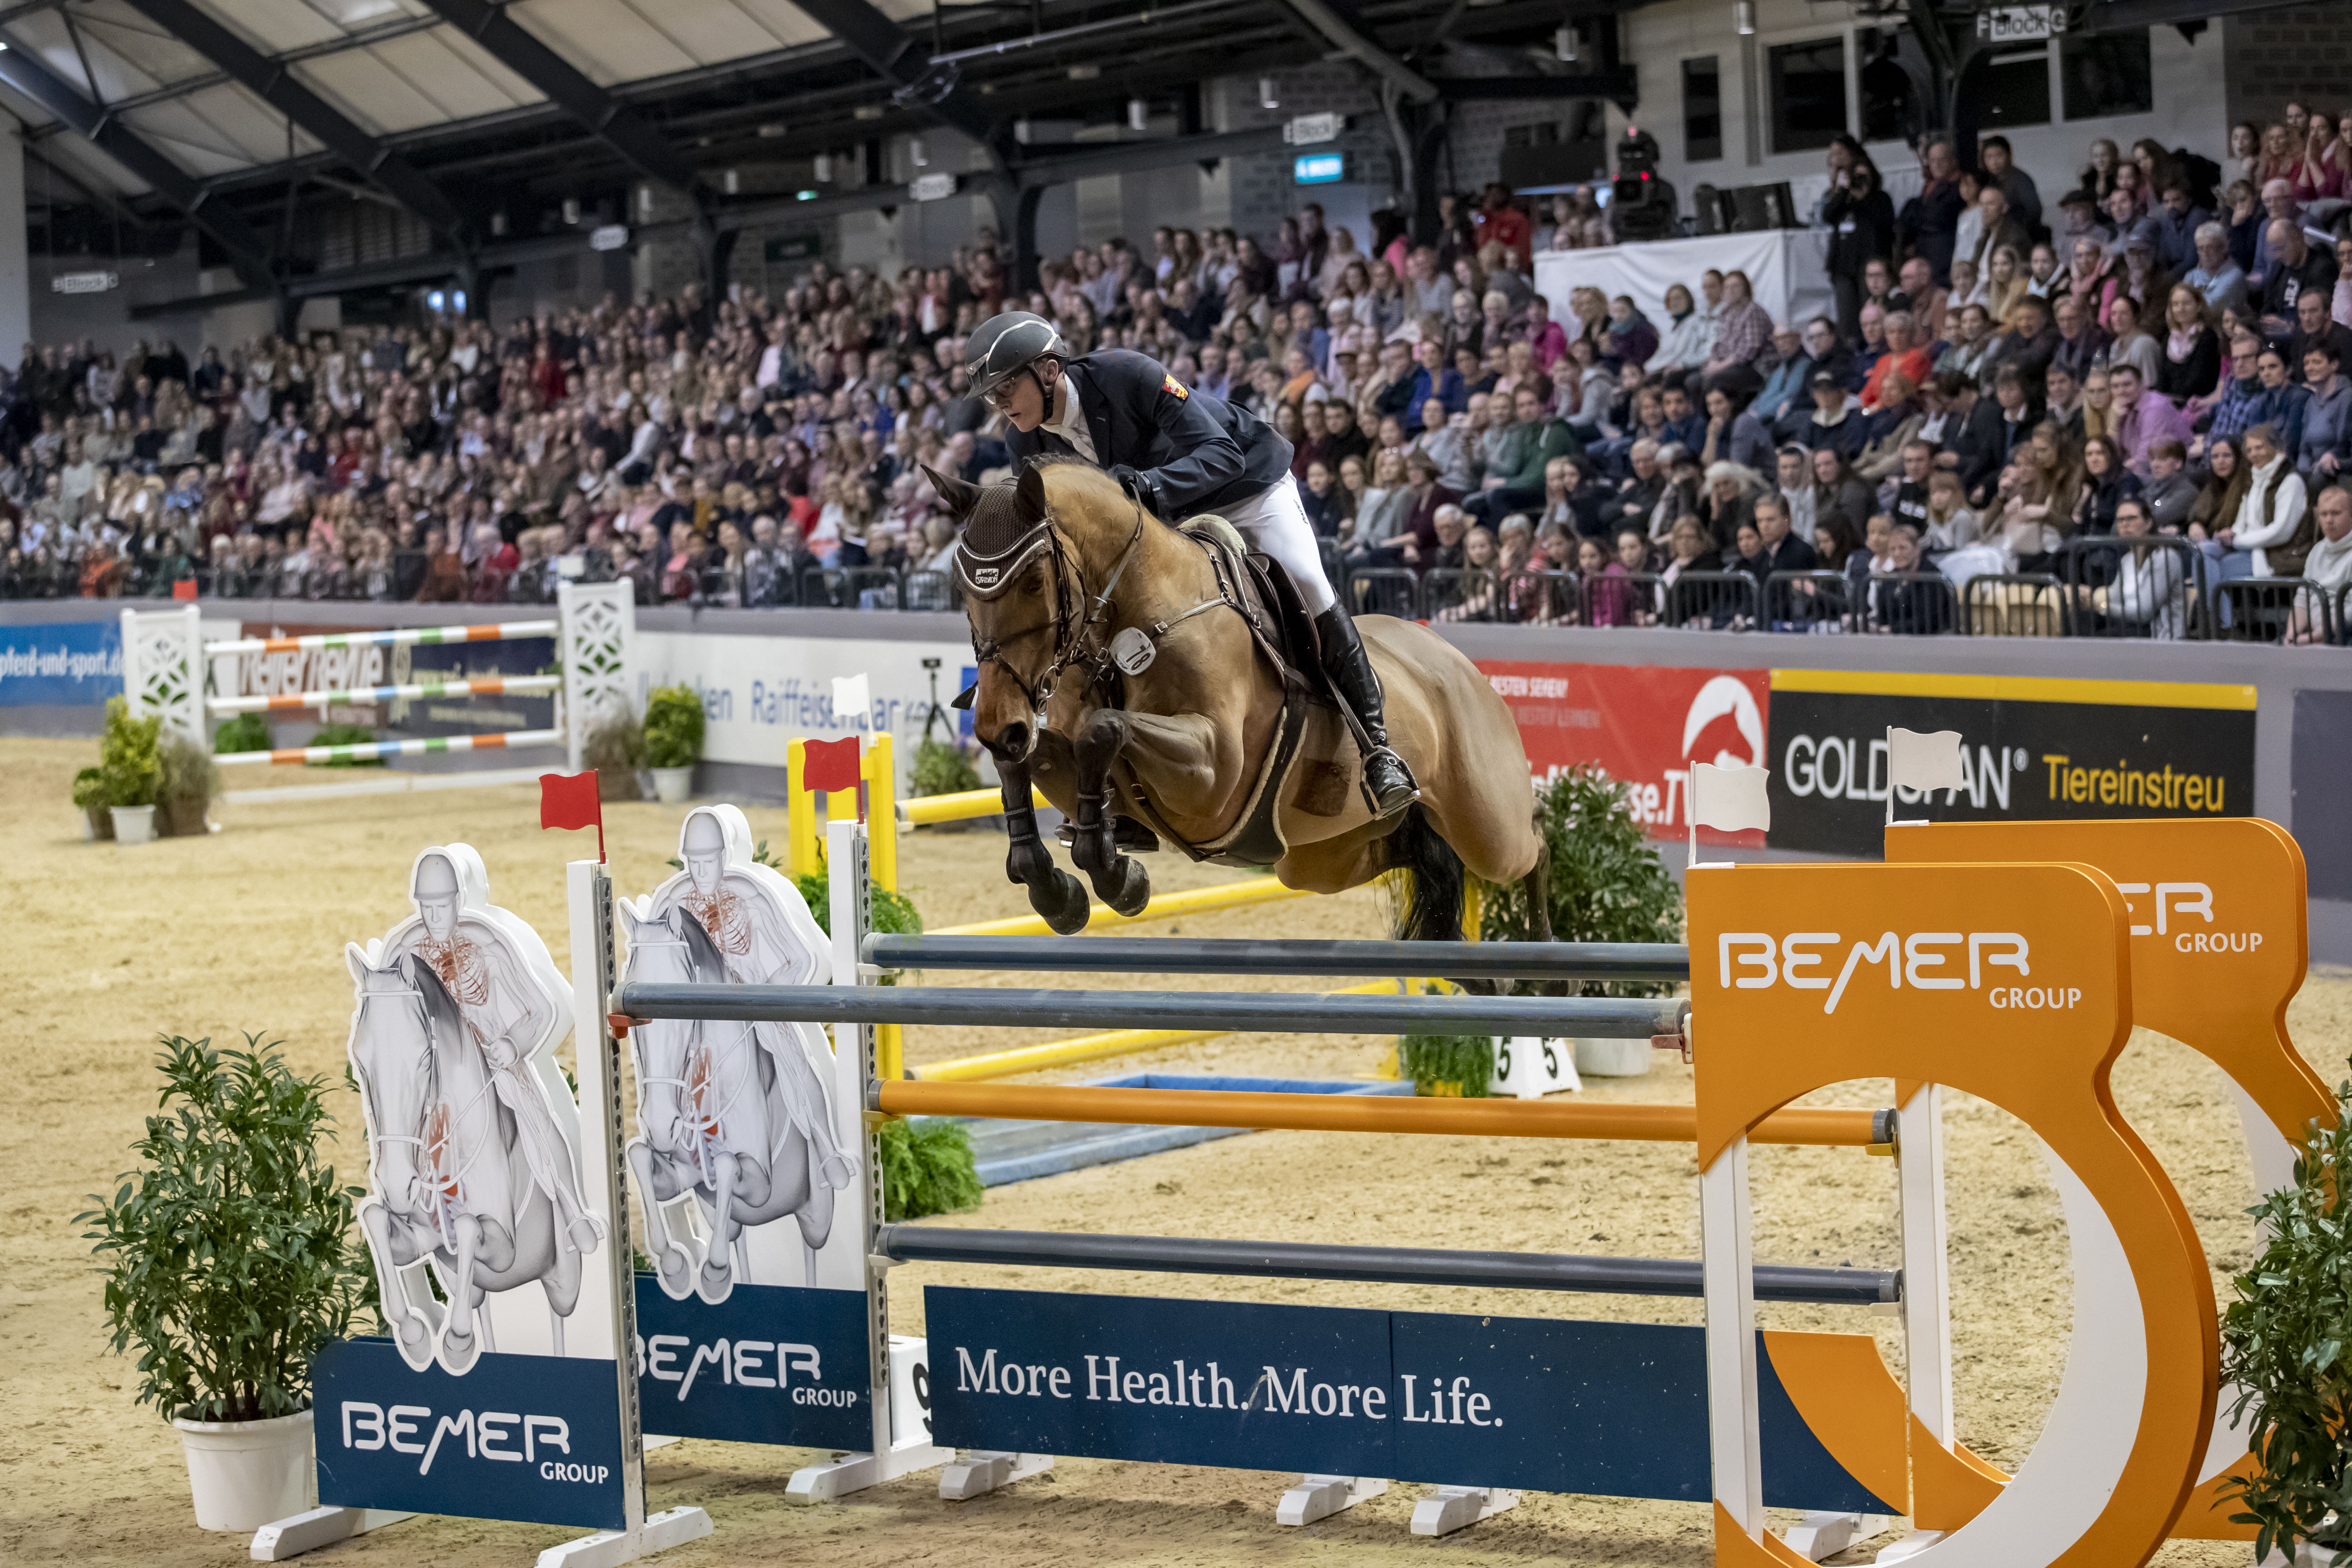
(1817, 1126)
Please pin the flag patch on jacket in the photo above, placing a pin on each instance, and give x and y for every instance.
(1174, 385)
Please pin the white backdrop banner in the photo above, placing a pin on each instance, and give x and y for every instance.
(1790, 268)
(761, 693)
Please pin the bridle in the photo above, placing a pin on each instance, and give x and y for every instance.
(1075, 625)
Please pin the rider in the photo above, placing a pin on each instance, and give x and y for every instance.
(1181, 452)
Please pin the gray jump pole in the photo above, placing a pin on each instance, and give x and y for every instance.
(1651, 962)
(1232, 1013)
(1384, 1265)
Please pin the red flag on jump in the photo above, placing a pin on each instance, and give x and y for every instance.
(829, 765)
(572, 801)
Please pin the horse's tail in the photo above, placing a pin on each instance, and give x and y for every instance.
(1427, 886)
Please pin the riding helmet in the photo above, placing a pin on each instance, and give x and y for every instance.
(1005, 345)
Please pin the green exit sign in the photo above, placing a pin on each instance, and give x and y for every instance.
(796, 248)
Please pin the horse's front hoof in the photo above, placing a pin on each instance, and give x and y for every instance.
(585, 1234)
(412, 1337)
(835, 1172)
(460, 1349)
(675, 1272)
(1127, 888)
(716, 1282)
(1063, 901)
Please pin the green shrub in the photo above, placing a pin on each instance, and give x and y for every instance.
(2286, 1342)
(190, 782)
(1448, 1064)
(941, 769)
(89, 790)
(893, 914)
(230, 1257)
(345, 735)
(246, 733)
(926, 1168)
(127, 761)
(673, 727)
(616, 749)
(1607, 881)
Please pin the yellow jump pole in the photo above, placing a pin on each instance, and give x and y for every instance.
(800, 815)
(1094, 1047)
(961, 806)
(1168, 906)
(878, 770)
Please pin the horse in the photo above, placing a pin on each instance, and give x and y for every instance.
(1116, 675)
(452, 1182)
(712, 1123)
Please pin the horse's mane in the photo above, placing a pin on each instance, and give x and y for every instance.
(440, 1008)
(701, 952)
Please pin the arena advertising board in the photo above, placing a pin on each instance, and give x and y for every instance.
(60, 663)
(518, 1436)
(2032, 750)
(759, 694)
(1645, 723)
(1613, 1409)
(768, 1364)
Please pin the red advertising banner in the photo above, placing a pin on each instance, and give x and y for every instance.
(1644, 724)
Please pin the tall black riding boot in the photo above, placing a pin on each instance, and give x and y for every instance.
(1389, 786)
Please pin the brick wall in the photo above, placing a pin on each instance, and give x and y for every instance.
(2272, 56)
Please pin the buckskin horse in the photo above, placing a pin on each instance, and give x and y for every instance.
(1129, 670)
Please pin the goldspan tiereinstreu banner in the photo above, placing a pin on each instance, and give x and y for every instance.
(2032, 749)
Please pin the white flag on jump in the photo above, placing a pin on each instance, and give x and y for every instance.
(1730, 799)
(1917, 761)
(853, 702)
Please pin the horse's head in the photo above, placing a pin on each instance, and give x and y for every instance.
(664, 950)
(1028, 555)
(392, 1055)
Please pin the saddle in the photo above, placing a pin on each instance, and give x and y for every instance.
(1284, 633)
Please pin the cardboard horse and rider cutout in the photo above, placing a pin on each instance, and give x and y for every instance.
(473, 1135)
(737, 1130)
(1157, 684)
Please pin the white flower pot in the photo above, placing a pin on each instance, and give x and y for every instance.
(673, 785)
(133, 823)
(247, 1474)
(1613, 1059)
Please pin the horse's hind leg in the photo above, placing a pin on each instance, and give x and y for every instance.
(1119, 879)
(1052, 893)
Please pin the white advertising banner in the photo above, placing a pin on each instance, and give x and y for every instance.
(760, 693)
(1790, 268)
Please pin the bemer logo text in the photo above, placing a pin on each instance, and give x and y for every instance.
(1924, 961)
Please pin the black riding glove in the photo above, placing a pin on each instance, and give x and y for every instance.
(1137, 484)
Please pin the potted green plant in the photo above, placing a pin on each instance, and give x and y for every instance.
(190, 780)
(229, 1258)
(1607, 884)
(131, 770)
(2286, 1350)
(673, 741)
(90, 799)
(615, 750)
(246, 733)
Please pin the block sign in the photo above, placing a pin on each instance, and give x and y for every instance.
(528, 1437)
(771, 1363)
(2020, 23)
(1609, 1409)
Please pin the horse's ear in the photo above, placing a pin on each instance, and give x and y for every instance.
(355, 956)
(960, 496)
(1029, 495)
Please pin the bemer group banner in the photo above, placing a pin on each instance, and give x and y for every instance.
(1644, 723)
(2031, 749)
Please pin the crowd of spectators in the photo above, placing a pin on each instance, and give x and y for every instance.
(2158, 351)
